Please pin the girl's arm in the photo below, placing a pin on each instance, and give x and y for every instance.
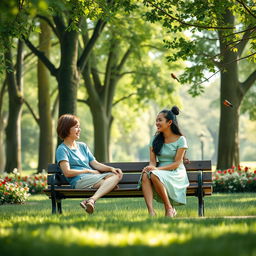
(152, 161)
(104, 168)
(65, 167)
(152, 157)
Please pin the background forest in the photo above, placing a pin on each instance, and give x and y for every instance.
(111, 64)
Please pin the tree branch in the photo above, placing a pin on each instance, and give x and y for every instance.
(88, 82)
(246, 8)
(49, 23)
(83, 101)
(60, 25)
(246, 85)
(127, 72)
(186, 23)
(87, 50)
(244, 41)
(42, 57)
(124, 98)
(224, 64)
(31, 111)
(124, 59)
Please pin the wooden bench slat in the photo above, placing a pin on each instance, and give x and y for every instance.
(134, 177)
(81, 193)
(138, 166)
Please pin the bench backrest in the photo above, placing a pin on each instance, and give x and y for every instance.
(132, 171)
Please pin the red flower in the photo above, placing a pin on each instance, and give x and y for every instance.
(255, 172)
(246, 169)
(233, 167)
(219, 171)
(239, 167)
(225, 172)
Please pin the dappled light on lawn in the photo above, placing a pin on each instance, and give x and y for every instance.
(119, 224)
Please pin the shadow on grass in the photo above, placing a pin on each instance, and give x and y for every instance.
(228, 245)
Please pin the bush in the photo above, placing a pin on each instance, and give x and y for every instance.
(13, 192)
(35, 182)
(235, 179)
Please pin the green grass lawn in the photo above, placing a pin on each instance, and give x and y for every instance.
(122, 227)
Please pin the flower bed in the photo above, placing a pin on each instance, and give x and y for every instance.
(13, 192)
(235, 179)
(15, 188)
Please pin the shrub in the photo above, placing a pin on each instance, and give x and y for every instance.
(235, 179)
(36, 182)
(13, 192)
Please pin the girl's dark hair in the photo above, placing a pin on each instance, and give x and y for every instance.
(159, 138)
(65, 122)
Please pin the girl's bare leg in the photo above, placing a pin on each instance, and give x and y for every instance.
(148, 193)
(161, 191)
(105, 186)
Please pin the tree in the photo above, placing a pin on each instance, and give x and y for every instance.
(14, 23)
(2, 123)
(65, 23)
(215, 44)
(122, 52)
(15, 93)
(44, 103)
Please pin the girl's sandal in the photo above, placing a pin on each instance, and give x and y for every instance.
(83, 204)
(90, 205)
(172, 214)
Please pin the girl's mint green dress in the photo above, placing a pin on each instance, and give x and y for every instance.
(175, 181)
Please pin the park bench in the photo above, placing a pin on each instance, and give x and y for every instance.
(199, 175)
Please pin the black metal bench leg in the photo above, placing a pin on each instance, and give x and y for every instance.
(53, 204)
(200, 206)
(59, 206)
(200, 195)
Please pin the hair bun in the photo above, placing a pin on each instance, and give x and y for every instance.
(175, 110)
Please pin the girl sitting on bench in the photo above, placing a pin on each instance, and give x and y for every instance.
(79, 165)
(168, 181)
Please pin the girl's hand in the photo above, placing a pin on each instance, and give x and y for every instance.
(117, 171)
(149, 168)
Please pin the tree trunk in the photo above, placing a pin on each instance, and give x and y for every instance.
(228, 146)
(45, 122)
(13, 134)
(101, 124)
(68, 74)
(2, 153)
(2, 127)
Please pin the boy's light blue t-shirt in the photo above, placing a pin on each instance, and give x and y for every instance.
(78, 159)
